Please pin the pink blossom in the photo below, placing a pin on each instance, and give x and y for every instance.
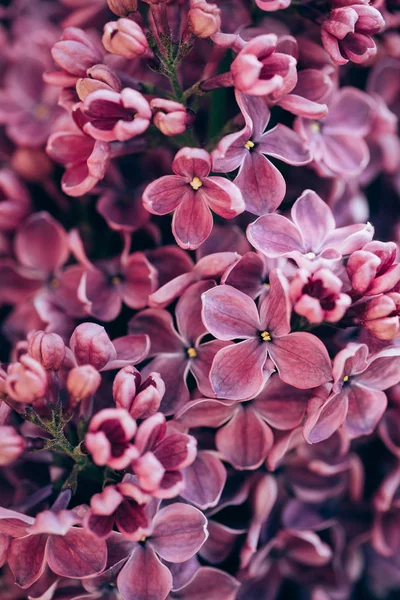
(86, 160)
(318, 297)
(122, 8)
(381, 316)
(109, 438)
(310, 236)
(106, 115)
(190, 194)
(260, 70)
(74, 54)
(178, 351)
(261, 183)
(373, 269)
(346, 33)
(239, 371)
(337, 142)
(15, 201)
(357, 399)
(140, 396)
(272, 5)
(170, 117)
(98, 77)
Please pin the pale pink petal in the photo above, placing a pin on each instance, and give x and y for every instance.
(238, 372)
(275, 308)
(77, 554)
(285, 144)
(204, 480)
(314, 219)
(192, 222)
(366, 408)
(275, 236)
(246, 440)
(27, 558)
(222, 196)
(179, 531)
(209, 583)
(159, 326)
(144, 577)
(324, 418)
(188, 312)
(261, 183)
(163, 195)
(301, 359)
(192, 162)
(172, 369)
(229, 313)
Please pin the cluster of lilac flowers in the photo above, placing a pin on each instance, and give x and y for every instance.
(200, 299)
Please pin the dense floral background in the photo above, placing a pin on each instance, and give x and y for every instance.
(199, 299)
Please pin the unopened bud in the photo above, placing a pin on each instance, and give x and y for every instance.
(122, 8)
(381, 316)
(83, 382)
(141, 398)
(125, 38)
(99, 77)
(92, 346)
(47, 348)
(26, 380)
(170, 117)
(204, 19)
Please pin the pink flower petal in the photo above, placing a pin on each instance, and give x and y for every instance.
(192, 222)
(275, 236)
(77, 554)
(144, 577)
(179, 531)
(229, 314)
(27, 558)
(204, 480)
(261, 183)
(314, 219)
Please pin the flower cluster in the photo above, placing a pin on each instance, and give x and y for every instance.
(200, 299)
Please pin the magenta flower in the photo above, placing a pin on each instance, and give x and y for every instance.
(357, 400)
(190, 194)
(162, 457)
(170, 117)
(51, 539)
(381, 316)
(140, 396)
(346, 33)
(107, 115)
(123, 505)
(125, 38)
(178, 352)
(318, 296)
(259, 70)
(26, 380)
(86, 160)
(272, 5)
(109, 438)
(261, 183)
(74, 54)
(373, 269)
(91, 345)
(128, 278)
(244, 435)
(239, 371)
(311, 235)
(178, 532)
(337, 143)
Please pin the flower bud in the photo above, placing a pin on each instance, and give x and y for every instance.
(125, 38)
(140, 398)
(99, 77)
(381, 316)
(48, 349)
(26, 380)
(170, 117)
(109, 438)
(204, 18)
(92, 346)
(83, 382)
(122, 8)
(32, 164)
(11, 445)
(75, 52)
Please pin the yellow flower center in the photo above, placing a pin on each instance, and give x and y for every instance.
(116, 280)
(265, 336)
(191, 352)
(54, 283)
(315, 127)
(266, 285)
(143, 539)
(345, 378)
(310, 255)
(249, 145)
(196, 183)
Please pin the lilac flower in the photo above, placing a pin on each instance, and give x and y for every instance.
(11, 445)
(178, 351)
(357, 400)
(190, 193)
(107, 115)
(109, 438)
(337, 143)
(162, 457)
(261, 183)
(311, 235)
(140, 396)
(244, 435)
(239, 371)
(50, 539)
